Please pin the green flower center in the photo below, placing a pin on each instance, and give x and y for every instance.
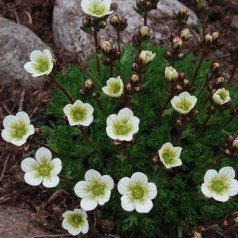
(183, 104)
(218, 185)
(222, 95)
(97, 9)
(115, 88)
(138, 192)
(44, 170)
(168, 156)
(19, 130)
(42, 64)
(122, 128)
(75, 220)
(97, 188)
(78, 113)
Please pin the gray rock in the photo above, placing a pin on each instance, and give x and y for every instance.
(16, 44)
(67, 19)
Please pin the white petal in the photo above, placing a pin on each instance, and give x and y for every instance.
(123, 185)
(50, 68)
(6, 135)
(88, 204)
(221, 198)
(29, 67)
(108, 180)
(206, 191)
(9, 121)
(80, 189)
(227, 172)
(144, 207)
(67, 109)
(89, 108)
(29, 164)
(92, 174)
(210, 174)
(50, 181)
(138, 176)
(135, 122)
(105, 198)
(23, 116)
(233, 187)
(43, 155)
(110, 133)
(87, 121)
(48, 54)
(125, 114)
(78, 104)
(177, 162)
(128, 137)
(18, 142)
(35, 55)
(56, 165)
(152, 190)
(126, 204)
(74, 230)
(65, 214)
(32, 179)
(31, 130)
(85, 227)
(111, 120)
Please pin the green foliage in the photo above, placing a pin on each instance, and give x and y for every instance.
(179, 203)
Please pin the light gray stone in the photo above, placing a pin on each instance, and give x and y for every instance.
(67, 19)
(16, 44)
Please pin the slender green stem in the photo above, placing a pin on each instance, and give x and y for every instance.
(145, 18)
(198, 68)
(165, 105)
(111, 69)
(96, 49)
(85, 136)
(205, 83)
(233, 73)
(99, 105)
(203, 125)
(179, 135)
(61, 88)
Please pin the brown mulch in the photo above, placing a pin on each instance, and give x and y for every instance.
(14, 192)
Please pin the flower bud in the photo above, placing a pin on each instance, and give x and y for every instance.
(177, 42)
(235, 143)
(135, 78)
(219, 82)
(86, 22)
(115, 21)
(171, 74)
(102, 24)
(146, 57)
(185, 34)
(180, 55)
(156, 158)
(208, 39)
(216, 67)
(89, 85)
(215, 35)
(144, 32)
(105, 46)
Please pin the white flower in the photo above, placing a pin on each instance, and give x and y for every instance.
(41, 63)
(170, 73)
(122, 126)
(146, 56)
(221, 185)
(183, 103)
(169, 155)
(137, 193)
(96, 8)
(221, 96)
(235, 143)
(79, 113)
(42, 169)
(17, 128)
(75, 222)
(96, 189)
(114, 88)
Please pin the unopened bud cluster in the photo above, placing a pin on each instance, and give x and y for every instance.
(146, 5)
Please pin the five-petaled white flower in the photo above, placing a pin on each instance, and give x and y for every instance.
(96, 189)
(17, 128)
(137, 193)
(114, 88)
(122, 126)
(169, 155)
(41, 63)
(96, 8)
(170, 73)
(42, 169)
(221, 185)
(221, 96)
(146, 56)
(75, 222)
(183, 103)
(79, 113)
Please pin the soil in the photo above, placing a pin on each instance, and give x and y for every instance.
(27, 211)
